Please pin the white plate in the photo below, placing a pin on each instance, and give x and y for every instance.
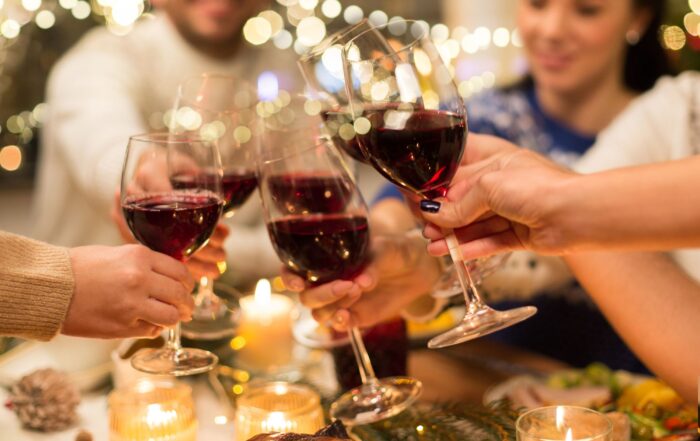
(86, 361)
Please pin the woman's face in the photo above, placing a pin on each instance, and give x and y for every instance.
(572, 44)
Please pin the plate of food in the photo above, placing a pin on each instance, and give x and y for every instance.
(641, 407)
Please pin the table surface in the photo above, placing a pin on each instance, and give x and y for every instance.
(459, 374)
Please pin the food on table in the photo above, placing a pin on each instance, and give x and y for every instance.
(333, 432)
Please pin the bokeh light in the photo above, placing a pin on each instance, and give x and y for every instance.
(483, 36)
(9, 28)
(276, 21)
(81, 10)
(308, 4)
(45, 19)
(501, 37)
(691, 21)
(283, 39)
(67, 4)
(31, 5)
(257, 30)
(673, 38)
(378, 18)
(311, 31)
(331, 8)
(439, 33)
(694, 6)
(353, 14)
(10, 157)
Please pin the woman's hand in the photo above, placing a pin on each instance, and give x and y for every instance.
(400, 272)
(126, 291)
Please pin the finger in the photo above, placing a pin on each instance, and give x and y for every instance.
(159, 313)
(199, 268)
(488, 246)
(172, 268)
(291, 281)
(433, 232)
(143, 329)
(438, 248)
(482, 147)
(171, 292)
(462, 211)
(219, 236)
(341, 320)
(325, 294)
(484, 228)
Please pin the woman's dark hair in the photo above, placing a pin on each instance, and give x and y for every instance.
(646, 61)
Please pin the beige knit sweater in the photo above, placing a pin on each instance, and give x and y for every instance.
(36, 286)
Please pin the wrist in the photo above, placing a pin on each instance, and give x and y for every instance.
(565, 217)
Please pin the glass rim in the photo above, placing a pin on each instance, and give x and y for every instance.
(132, 394)
(530, 412)
(169, 138)
(312, 398)
(320, 48)
(403, 48)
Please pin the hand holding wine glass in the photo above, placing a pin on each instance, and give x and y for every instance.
(318, 225)
(411, 125)
(175, 222)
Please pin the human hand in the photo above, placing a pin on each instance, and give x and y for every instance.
(503, 198)
(126, 291)
(400, 272)
(203, 263)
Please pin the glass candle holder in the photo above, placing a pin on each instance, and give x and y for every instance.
(563, 423)
(152, 411)
(277, 407)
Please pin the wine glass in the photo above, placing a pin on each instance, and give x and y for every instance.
(411, 125)
(318, 225)
(218, 108)
(172, 221)
(322, 69)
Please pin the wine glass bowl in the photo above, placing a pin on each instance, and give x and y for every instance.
(171, 220)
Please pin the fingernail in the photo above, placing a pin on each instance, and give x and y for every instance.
(364, 281)
(429, 206)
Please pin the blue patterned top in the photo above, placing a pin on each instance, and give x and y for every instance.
(568, 326)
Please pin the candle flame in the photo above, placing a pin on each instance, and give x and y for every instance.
(560, 418)
(263, 292)
(569, 435)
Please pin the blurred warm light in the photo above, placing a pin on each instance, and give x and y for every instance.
(439, 33)
(268, 86)
(452, 46)
(67, 4)
(15, 124)
(311, 31)
(422, 62)
(31, 5)
(283, 39)
(673, 38)
(431, 100)
(10, 157)
(332, 60)
(331, 8)
(397, 26)
(45, 19)
(287, 2)
(483, 36)
(276, 21)
(242, 134)
(418, 28)
(489, 79)
(694, 6)
(353, 14)
(312, 107)
(464, 89)
(39, 112)
(300, 48)
(516, 39)
(9, 28)
(691, 21)
(501, 37)
(257, 30)
(378, 18)
(379, 90)
(308, 4)
(126, 12)
(81, 10)
(470, 44)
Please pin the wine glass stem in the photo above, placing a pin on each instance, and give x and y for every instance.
(363, 362)
(174, 338)
(471, 294)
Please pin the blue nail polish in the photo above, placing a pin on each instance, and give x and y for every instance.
(430, 206)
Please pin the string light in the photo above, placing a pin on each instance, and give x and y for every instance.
(9, 29)
(331, 8)
(353, 14)
(45, 19)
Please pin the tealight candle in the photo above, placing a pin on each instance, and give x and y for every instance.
(150, 411)
(277, 407)
(265, 333)
(563, 423)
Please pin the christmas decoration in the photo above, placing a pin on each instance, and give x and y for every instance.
(45, 400)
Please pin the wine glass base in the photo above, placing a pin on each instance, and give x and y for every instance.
(480, 323)
(181, 362)
(211, 329)
(368, 404)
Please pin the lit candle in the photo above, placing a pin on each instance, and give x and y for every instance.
(563, 423)
(265, 333)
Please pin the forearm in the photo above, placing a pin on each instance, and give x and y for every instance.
(654, 306)
(638, 208)
(36, 286)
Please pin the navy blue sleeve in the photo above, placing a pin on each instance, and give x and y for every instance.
(386, 192)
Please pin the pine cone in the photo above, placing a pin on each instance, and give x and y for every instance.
(45, 400)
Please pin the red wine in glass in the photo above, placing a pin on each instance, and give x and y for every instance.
(173, 224)
(387, 346)
(298, 193)
(417, 149)
(237, 185)
(350, 146)
(322, 247)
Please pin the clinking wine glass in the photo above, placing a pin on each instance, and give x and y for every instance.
(411, 125)
(318, 225)
(176, 222)
(219, 108)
